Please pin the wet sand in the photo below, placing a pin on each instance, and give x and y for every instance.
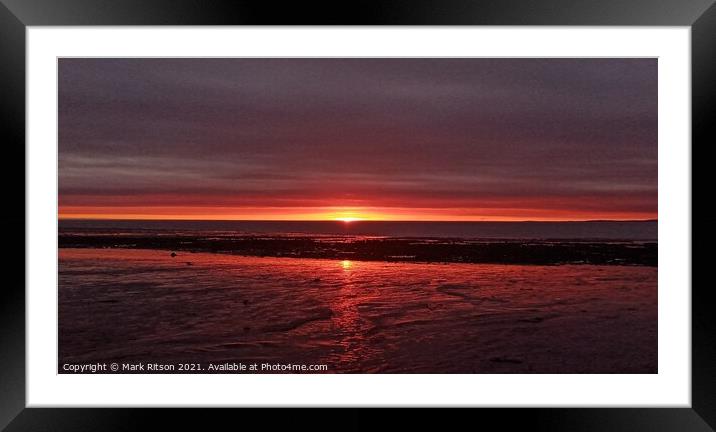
(140, 305)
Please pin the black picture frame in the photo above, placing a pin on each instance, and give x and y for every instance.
(16, 15)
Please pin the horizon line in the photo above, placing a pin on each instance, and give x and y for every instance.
(352, 221)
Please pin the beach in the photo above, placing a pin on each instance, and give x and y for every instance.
(141, 306)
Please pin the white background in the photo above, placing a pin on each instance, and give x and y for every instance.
(670, 387)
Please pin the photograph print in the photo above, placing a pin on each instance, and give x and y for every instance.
(357, 215)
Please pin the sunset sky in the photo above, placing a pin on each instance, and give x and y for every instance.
(391, 139)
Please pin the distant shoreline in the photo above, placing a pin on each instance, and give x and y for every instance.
(423, 250)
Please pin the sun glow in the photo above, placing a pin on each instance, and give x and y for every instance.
(346, 215)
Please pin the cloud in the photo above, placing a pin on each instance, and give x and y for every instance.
(379, 132)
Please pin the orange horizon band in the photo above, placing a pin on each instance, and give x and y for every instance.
(416, 218)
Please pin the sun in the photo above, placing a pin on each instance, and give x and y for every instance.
(348, 219)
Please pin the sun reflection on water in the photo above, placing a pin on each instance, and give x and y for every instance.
(346, 264)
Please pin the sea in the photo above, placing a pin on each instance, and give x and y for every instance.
(597, 230)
